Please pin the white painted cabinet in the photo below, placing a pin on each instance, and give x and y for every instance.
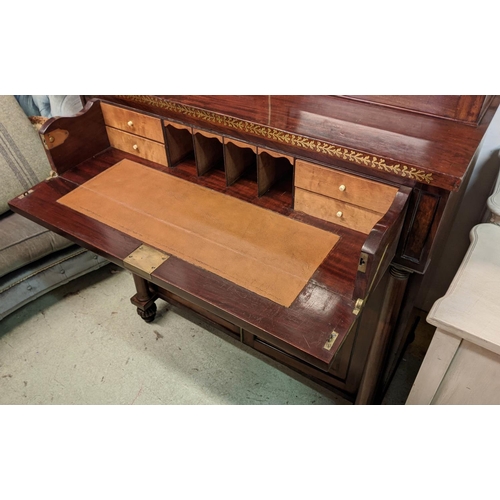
(462, 364)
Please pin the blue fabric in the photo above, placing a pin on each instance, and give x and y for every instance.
(35, 105)
(49, 105)
(28, 105)
(43, 104)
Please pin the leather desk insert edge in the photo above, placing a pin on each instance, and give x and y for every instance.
(262, 251)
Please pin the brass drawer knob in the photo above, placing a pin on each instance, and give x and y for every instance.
(339, 214)
(135, 146)
(130, 123)
(342, 187)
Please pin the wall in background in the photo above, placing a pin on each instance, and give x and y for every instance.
(472, 210)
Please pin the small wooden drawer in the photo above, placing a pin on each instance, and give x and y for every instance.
(336, 211)
(132, 122)
(138, 146)
(357, 191)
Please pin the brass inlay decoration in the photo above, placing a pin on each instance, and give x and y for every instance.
(145, 260)
(331, 340)
(322, 147)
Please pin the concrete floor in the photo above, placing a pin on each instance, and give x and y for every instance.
(83, 344)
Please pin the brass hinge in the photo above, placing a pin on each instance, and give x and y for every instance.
(331, 340)
(358, 306)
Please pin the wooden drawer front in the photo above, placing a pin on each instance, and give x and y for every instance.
(336, 211)
(135, 123)
(349, 188)
(138, 146)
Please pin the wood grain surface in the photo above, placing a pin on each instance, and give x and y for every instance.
(133, 122)
(388, 142)
(150, 150)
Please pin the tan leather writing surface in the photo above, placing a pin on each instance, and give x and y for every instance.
(258, 249)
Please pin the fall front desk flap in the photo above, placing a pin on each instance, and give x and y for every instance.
(260, 250)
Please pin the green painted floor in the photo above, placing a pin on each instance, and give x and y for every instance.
(83, 344)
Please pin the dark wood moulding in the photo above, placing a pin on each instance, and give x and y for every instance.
(376, 140)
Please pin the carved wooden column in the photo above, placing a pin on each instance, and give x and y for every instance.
(393, 298)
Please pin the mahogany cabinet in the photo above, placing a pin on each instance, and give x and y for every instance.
(300, 224)
(464, 108)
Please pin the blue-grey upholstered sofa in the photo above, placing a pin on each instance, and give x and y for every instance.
(33, 260)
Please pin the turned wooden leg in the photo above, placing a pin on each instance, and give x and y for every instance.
(144, 299)
(393, 298)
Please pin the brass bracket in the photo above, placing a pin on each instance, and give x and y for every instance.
(52, 175)
(363, 260)
(21, 196)
(358, 306)
(331, 340)
(54, 138)
(145, 260)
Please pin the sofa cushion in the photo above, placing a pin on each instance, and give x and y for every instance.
(34, 280)
(23, 241)
(23, 162)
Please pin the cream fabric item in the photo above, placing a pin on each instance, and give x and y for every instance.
(23, 162)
